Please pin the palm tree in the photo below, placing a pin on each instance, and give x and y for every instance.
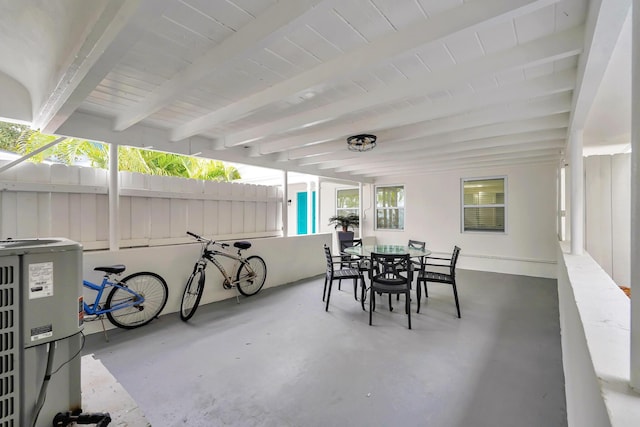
(21, 139)
(345, 221)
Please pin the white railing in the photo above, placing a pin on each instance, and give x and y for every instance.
(594, 324)
(40, 200)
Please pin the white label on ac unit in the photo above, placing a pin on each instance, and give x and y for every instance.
(40, 280)
(41, 332)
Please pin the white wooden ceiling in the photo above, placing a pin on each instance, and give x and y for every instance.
(444, 84)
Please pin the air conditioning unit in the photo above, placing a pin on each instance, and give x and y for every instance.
(40, 325)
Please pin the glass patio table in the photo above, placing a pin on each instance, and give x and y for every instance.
(366, 250)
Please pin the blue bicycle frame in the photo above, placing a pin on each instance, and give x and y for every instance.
(95, 310)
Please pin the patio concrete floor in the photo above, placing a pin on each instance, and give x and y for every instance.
(278, 359)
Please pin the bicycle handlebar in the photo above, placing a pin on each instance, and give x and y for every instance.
(194, 235)
(209, 242)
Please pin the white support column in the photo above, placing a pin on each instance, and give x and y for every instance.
(114, 199)
(567, 203)
(285, 203)
(360, 212)
(309, 207)
(564, 204)
(635, 200)
(318, 200)
(577, 193)
(559, 200)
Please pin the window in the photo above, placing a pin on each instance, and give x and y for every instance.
(347, 201)
(390, 207)
(484, 204)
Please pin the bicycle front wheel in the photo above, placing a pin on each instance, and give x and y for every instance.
(251, 276)
(192, 294)
(142, 299)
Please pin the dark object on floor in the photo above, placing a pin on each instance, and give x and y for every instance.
(63, 419)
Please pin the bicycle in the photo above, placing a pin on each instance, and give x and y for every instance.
(133, 302)
(250, 273)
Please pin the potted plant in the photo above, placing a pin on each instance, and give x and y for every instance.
(344, 222)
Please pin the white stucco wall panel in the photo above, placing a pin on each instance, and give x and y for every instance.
(608, 210)
(621, 219)
(288, 260)
(433, 214)
(597, 183)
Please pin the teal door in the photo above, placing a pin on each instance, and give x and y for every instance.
(303, 214)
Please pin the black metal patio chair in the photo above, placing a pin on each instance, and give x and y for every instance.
(386, 278)
(338, 274)
(425, 275)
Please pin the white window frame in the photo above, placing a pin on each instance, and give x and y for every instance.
(495, 205)
(404, 208)
(338, 209)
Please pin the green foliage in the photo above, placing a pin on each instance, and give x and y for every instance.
(11, 134)
(345, 221)
(20, 139)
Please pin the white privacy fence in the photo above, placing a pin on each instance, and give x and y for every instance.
(39, 200)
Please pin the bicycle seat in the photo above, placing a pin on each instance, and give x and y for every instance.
(112, 269)
(242, 245)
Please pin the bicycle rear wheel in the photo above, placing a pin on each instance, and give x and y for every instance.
(251, 276)
(192, 294)
(149, 286)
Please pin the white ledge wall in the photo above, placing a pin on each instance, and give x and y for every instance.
(288, 259)
(594, 324)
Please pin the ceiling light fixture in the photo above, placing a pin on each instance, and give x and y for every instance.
(362, 142)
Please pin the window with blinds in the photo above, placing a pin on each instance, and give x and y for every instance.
(484, 204)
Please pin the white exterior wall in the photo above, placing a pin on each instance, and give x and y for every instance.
(608, 221)
(433, 215)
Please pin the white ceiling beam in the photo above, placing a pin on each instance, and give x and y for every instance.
(417, 149)
(448, 151)
(555, 126)
(604, 23)
(521, 150)
(107, 41)
(252, 37)
(528, 109)
(96, 128)
(553, 84)
(468, 17)
(506, 160)
(238, 155)
(529, 134)
(538, 52)
(545, 106)
(489, 165)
